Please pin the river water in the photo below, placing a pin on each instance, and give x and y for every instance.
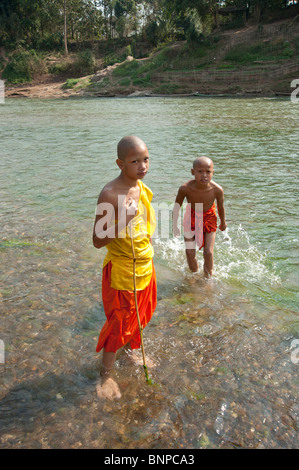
(226, 349)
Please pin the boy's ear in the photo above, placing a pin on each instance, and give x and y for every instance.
(119, 163)
(192, 171)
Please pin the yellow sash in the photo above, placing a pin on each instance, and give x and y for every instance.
(120, 249)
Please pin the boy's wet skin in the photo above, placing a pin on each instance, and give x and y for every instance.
(201, 190)
(133, 162)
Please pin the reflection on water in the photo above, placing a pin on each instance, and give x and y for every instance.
(222, 347)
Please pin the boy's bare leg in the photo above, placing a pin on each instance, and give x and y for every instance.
(108, 360)
(138, 359)
(208, 253)
(107, 387)
(191, 254)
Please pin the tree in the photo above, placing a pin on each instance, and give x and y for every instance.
(65, 28)
(205, 9)
(124, 10)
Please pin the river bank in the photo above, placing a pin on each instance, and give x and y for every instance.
(50, 90)
(256, 60)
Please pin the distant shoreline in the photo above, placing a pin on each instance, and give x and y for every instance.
(54, 91)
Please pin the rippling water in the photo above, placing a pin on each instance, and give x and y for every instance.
(227, 366)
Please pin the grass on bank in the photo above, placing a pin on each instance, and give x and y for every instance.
(180, 57)
(76, 83)
(171, 57)
(262, 51)
(139, 73)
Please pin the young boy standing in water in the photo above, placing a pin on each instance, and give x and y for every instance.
(124, 202)
(200, 219)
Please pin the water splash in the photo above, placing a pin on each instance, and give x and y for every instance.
(236, 258)
(172, 251)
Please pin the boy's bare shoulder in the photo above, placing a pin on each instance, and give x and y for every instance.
(110, 192)
(217, 188)
(188, 185)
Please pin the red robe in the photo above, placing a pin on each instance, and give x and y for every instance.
(121, 326)
(199, 223)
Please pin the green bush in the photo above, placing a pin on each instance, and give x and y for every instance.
(156, 32)
(193, 27)
(111, 59)
(70, 83)
(128, 51)
(51, 42)
(77, 83)
(85, 63)
(23, 66)
(62, 68)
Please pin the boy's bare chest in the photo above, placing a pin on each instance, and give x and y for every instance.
(203, 196)
(133, 193)
(124, 198)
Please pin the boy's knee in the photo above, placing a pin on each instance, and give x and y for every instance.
(191, 259)
(208, 253)
(191, 254)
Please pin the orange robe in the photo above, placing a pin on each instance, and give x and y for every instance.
(200, 222)
(121, 326)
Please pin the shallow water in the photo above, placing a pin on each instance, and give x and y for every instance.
(227, 367)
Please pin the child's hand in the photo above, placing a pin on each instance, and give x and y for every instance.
(176, 232)
(131, 207)
(222, 226)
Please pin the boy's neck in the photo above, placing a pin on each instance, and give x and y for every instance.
(203, 186)
(128, 182)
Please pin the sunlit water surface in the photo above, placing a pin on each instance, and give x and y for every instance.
(225, 349)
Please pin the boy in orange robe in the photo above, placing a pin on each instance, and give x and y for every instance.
(200, 225)
(124, 208)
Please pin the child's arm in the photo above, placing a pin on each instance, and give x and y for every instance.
(103, 231)
(221, 210)
(176, 210)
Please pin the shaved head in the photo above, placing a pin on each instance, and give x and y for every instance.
(202, 161)
(128, 143)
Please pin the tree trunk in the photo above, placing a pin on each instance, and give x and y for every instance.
(216, 15)
(257, 12)
(65, 29)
